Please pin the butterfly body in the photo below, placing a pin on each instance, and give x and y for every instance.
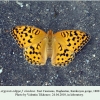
(38, 46)
(49, 43)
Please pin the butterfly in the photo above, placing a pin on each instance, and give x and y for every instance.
(61, 47)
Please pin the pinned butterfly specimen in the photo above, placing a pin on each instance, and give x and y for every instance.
(38, 46)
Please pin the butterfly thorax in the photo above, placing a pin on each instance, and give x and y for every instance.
(49, 43)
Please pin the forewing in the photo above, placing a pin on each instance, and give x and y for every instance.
(27, 35)
(73, 40)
